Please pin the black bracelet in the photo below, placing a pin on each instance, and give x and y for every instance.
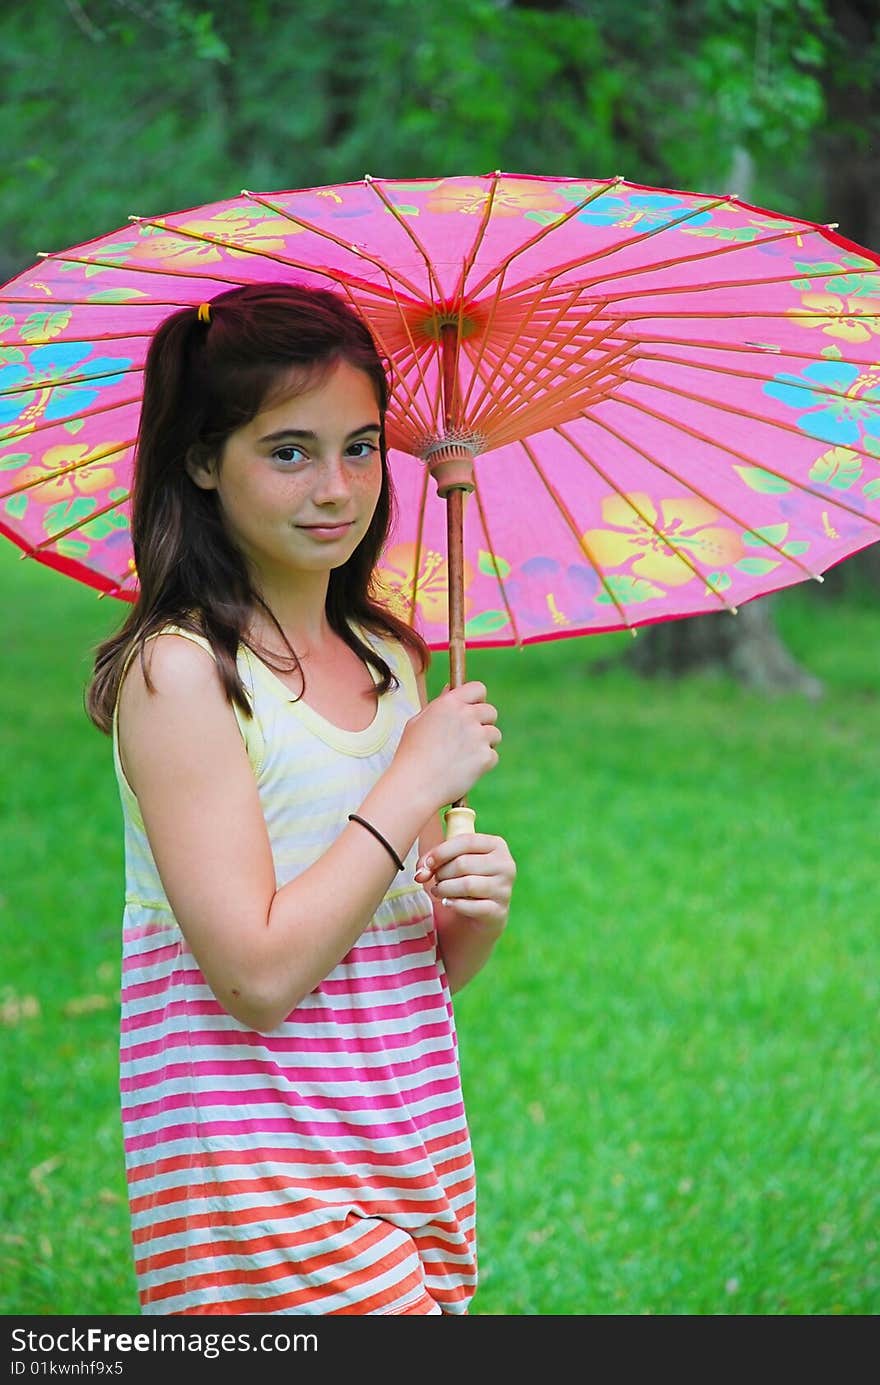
(353, 817)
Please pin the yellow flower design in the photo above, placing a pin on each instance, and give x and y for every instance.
(253, 236)
(852, 319)
(185, 251)
(81, 479)
(513, 196)
(659, 545)
(396, 579)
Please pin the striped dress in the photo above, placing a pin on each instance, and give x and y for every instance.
(324, 1167)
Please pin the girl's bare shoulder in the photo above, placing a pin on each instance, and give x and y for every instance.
(184, 691)
(182, 736)
(177, 666)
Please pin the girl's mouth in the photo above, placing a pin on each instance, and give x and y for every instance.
(326, 532)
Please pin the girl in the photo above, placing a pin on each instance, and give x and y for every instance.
(295, 1138)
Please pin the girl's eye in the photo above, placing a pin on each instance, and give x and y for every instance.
(288, 454)
(361, 450)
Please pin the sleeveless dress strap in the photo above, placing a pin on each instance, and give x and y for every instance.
(250, 728)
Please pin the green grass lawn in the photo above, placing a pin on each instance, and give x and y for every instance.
(670, 1063)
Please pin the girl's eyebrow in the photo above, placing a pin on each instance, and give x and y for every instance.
(305, 435)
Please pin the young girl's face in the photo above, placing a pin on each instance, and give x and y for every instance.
(298, 484)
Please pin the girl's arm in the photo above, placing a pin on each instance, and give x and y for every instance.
(470, 879)
(263, 949)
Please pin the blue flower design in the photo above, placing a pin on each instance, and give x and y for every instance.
(642, 211)
(841, 417)
(46, 369)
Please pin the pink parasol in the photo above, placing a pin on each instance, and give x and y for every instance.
(636, 404)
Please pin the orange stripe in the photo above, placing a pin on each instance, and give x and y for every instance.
(217, 1158)
(161, 1197)
(382, 1207)
(176, 1225)
(281, 1269)
(280, 1303)
(254, 1245)
(441, 1142)
(431, 1241)
(460, 1161)
(311, 1294)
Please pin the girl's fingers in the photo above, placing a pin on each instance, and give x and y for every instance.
(455, 848)
(466, 865)
(473, 908)
(470, 887)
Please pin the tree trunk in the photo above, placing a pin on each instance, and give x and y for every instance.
(850, 156)
(745, 646)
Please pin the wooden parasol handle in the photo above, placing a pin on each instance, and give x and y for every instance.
(460, 819)
(452, 469)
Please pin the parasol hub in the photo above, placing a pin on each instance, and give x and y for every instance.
(464, 320)
(451, 463)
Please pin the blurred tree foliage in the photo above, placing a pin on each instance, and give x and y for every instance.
(113, 107)
(118, 106)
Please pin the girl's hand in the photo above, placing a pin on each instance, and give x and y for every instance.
(472, 874)
(451, 743)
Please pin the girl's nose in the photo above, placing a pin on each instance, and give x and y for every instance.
(333, 483)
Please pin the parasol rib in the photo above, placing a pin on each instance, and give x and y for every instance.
(564, 401)
(729, 371)
(336, 276)
(548, 343)
(528, 285)
(375, 186)
(501, 268)
(658, 266)
(45, 478)
(51, 303)
(783, 315)
(63, 381)
(477, 358)
(490, 549)
(661, 534)
(81, 524)
(470, 257)
(580, 260)
(322, 231)
(378, 335)
(681, 427)
(191, 275)
(6, 438)
(63, 340)
(416, 356)
(123, 265)
(659, 291)
(118, 586)
(581, 542)
(750, 348)
(514, 337)
(738, 413)
(701, 495)
(417, 560)
(534, 362)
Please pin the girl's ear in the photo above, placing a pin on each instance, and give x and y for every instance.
(200, 467)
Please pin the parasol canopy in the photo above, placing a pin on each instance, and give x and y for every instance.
(636, 404)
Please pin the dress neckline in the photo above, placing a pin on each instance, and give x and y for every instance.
(362, 742)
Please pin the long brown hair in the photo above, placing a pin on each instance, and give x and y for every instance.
(202, 381)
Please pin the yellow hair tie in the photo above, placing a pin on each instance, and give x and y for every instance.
(204, 312)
